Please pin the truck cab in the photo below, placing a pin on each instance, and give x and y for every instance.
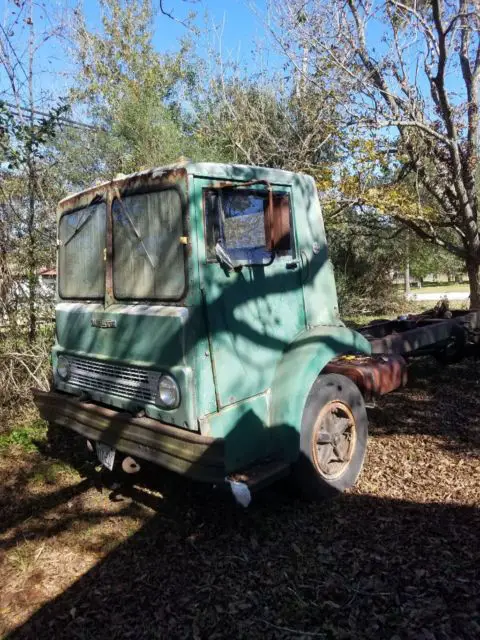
(196, 319)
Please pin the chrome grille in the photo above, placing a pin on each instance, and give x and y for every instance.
(126, 382)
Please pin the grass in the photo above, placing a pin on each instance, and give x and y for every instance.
(441, 288)
(434, 287)
(25, 437)
(50, 472)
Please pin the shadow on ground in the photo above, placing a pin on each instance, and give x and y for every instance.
(359, 567)
(440, 401)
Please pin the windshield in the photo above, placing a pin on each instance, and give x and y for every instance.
(148, 261)
(81, 264)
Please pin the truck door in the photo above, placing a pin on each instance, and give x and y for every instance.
(251, 282)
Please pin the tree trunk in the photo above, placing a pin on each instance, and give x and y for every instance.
(32, 248)
(407, 268)
(32, 261)
(473, 280)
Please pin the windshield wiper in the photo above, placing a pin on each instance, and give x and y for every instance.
(135, 231)
(79, 226)
(97, 199)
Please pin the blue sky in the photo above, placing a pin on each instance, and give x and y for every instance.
(55, 70)
(242, 30)
(241, 25)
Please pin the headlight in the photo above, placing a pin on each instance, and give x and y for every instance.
(63, 367)
(168, 392)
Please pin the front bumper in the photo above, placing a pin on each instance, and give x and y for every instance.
(185, 452)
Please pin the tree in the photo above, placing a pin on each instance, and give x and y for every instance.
(24, 132)
(267, 117)
(360, 246)
(133, 94)
(411, 69)
(426, 259)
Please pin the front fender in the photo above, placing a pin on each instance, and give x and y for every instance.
(300, 365)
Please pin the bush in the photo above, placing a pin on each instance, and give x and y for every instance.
(368, 294)
(23, 365)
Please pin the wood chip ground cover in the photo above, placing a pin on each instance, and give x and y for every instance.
(397, 557)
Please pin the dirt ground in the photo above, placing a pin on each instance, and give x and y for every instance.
(396, 558)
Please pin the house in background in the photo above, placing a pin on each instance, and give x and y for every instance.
(47, 280)
(14, 294)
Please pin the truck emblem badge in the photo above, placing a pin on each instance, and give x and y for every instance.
(104, 324)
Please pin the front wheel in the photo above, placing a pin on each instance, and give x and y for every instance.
(333, 437)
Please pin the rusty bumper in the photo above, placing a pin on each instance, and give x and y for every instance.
(185, 452)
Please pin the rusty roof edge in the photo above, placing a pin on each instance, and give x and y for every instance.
(240, 172)
(213, 170)
(118, 180)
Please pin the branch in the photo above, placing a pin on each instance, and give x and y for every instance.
(421, 20)
(470, 77)
(169, 14)
(439, 79)
(345, 204)
(416, 124)
(431, 237)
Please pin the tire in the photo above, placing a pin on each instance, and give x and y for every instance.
(454, 351)
(330, 463)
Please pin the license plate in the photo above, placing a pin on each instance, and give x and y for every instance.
(105, 454)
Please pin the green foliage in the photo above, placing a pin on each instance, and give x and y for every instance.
(269, 118)
(365, 254)
(426, 258)
(133, 94)
(20, 139)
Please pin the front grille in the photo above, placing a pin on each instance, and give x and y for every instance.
(125, 382)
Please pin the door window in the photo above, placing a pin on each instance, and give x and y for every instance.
(240, 221)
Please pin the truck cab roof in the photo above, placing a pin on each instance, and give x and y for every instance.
(215, 170)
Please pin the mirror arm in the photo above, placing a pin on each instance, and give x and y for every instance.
(223, 257)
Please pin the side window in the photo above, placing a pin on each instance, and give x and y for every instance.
(241, 222)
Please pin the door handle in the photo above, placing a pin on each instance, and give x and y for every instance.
(293, 264)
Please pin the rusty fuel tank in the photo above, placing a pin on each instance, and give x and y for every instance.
(374, 375)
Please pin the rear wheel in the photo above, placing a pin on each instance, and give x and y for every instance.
(333, 437)
(454, 350)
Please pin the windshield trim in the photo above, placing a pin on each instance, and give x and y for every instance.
(95, 201)
(183, 213)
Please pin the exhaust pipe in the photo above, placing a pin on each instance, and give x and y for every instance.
(129, 465)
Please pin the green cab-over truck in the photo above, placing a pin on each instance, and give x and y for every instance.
(197, 328)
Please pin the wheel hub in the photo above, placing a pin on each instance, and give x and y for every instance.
(334, 439)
